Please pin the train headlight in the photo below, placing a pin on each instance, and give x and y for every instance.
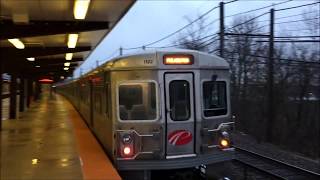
(224, 140)
(127, 151)
(224, 143)
(126, 138)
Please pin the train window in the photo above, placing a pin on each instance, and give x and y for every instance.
(214, 98)
(97, 102)
(107, 100)
(137, 101)
(179, 100)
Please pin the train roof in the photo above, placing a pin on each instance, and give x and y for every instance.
(153, 59)
(136, 60)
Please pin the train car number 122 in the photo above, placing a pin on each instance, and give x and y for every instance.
(148, 61)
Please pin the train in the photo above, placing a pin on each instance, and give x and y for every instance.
(157, 109)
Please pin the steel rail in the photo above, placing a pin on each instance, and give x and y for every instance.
(269, 172)
(260, 169)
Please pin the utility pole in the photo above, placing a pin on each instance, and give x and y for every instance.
(271, 80)
(221, 29)
(97, 63)
(120, 50)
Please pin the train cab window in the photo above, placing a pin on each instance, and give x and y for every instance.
(214, 98)
(137, 101)
(179, 100)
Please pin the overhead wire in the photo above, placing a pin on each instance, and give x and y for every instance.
(212, 39)
(249, 20)
(175, 32)
(113, 53)
(182, 28)
(267, 36)
(294, 7)
(183, 43)
(202, 28)
(297, 30)
(230, 28)
(285, 59)
(296, 20)
(284, 22)
(284, 17)
(257, 9)
(231, 1)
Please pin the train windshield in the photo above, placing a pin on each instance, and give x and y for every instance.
(214, 98)
(179, 100)
(137, 101)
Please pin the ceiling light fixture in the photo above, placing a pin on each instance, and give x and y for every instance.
(80, 8)
(17, 43)
(69, 56)
(67, 64)
(72, 40)
(31, 59)
(66, 68)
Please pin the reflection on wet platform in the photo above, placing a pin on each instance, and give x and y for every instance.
(40, 144)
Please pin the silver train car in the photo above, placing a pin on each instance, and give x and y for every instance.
(156, 110)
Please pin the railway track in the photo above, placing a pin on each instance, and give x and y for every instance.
(273, 168)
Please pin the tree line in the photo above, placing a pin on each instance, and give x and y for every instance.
(296, 88)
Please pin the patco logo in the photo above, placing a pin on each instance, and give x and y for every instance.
(180, 137)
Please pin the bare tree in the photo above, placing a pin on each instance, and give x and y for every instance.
(192, 37)
(295, 80)
(246, 72)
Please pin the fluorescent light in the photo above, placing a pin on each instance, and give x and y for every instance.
(72, 40)
(67, 64)
(34, 161)
(30, 58)
(38, 66)
(66, 68)
(69, 56)
(17, 43)
(80, 8)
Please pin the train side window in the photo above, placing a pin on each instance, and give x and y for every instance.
(107, 99)
(137, 101)
(96, 102)
(179, 100)
(214, 98)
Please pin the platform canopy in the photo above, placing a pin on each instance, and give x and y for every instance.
(50, 38)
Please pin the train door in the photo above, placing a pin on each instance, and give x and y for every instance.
(180, 117)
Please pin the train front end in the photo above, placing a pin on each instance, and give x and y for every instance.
(172, 110)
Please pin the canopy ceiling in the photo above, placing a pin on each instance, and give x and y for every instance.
(43, 27)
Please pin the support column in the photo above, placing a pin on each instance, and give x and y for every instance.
(13, 96)
(22, 94)
(25, 93)
(37, 90)
(1, 94)
(29, 92)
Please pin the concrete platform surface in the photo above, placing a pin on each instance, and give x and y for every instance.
(43, 144)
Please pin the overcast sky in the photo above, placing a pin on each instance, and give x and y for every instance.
(148, 21)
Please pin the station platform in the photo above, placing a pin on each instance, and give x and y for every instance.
(51, 141)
